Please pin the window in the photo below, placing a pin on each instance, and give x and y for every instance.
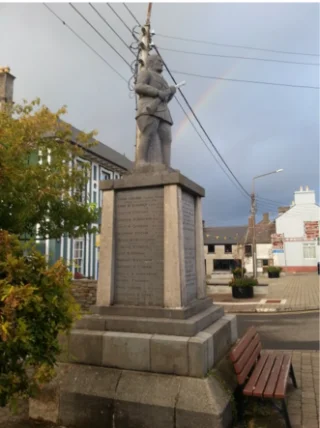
(211, 248)
(78, 255)
(95, 172)
(262, 262)
(248, 250)
(228, 248)
(84, 191)
(105, 175)
(309, 251)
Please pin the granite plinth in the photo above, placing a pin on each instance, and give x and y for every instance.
(153, 352)
(134, 324)
(153, 177)
(154, 312)
(83, 396)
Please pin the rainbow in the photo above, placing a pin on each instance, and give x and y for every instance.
(204, 99)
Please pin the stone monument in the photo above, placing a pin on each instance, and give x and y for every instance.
(141, 358)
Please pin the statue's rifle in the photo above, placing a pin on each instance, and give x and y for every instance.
(152, 108)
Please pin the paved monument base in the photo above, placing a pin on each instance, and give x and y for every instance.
(87, 396)
(144, 356)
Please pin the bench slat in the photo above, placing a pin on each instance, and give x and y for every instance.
(250, 386)
(242, 361)
(241, 346)
(281, 387)
(246, 370)
(263, 379)
(273, 378)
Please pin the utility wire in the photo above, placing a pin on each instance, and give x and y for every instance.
(201, 126)
(119, 17)
(131, 14)
(205, 143)
(237, 57)
(111, 28)
(235, 46)
(87, 44)
(103, 38)
(185, 73)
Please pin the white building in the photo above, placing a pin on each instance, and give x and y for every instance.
(296, 243)
(224, 246)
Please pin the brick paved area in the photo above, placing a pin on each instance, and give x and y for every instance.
(300, 292)
(303, 403)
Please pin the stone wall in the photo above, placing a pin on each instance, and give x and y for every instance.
(85, 292)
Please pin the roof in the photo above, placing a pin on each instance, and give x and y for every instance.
(108, 156)
(237, 234)
(263, 233)
(224, 234)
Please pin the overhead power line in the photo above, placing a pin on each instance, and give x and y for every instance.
(235, 46)
(201, 126)
(131, 13)
(103, 38)
(111, 28)
(260, 82)
(238, 57)
(205, 143)
(87, 44)
(119, 17)
(193, 113)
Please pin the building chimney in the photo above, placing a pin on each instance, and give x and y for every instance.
(6, 86)
(282, 210)
(266, 218)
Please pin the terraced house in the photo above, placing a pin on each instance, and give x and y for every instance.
(105, 163)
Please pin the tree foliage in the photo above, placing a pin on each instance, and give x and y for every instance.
(40, 183)
(36, 304)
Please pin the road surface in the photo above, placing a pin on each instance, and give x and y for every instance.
(284, 331)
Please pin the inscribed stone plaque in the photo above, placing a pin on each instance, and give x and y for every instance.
(189, 242)
(139, 247)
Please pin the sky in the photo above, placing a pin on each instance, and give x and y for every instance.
(257, 128)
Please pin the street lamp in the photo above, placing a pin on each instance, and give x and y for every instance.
(253, 212)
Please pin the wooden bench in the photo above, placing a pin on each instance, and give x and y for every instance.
(263, 375)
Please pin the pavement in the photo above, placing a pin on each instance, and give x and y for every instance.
(283, 330)
(289, 293)
(303, 403)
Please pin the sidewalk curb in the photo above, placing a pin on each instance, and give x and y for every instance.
(269, 310)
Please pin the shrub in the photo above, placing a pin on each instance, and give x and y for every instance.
(36, 304)
(239, 272)
(243, 282)
(274, 269)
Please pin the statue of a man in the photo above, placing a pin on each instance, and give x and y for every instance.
(153, 116)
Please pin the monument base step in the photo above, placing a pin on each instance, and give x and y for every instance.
(167, 326)
(192, 309)
(172, 354)
(86, 396)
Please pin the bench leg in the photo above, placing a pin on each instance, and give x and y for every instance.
(293, 376)
(239, 398)
(286, 414)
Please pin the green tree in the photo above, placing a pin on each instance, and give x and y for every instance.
(36, 304)
(40, 183)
